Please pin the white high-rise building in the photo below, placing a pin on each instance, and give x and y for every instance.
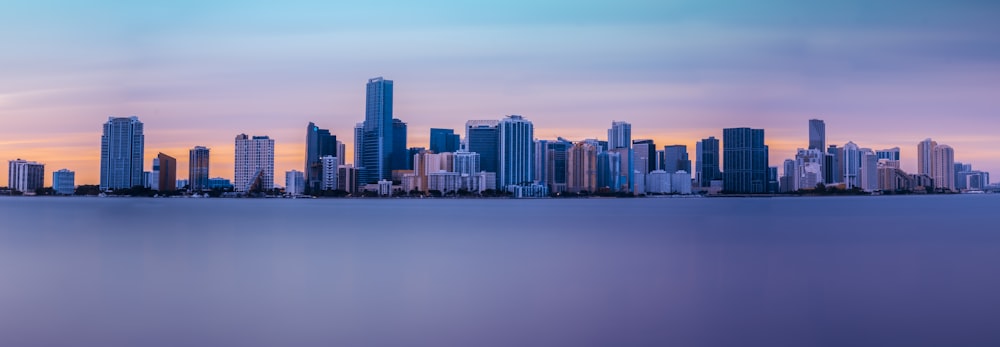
(295, 182)
(25, 176)
(852, 165)
(925, 157)
(943, 168)
(254, 163)
(869, 170)
(329, 179)
(620, 135)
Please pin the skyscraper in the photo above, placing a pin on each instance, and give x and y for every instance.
(122, 147)
(25, 176)
(398, 160)
(581, 168)
(64, 182)
(869, 170)
(852, 165)
(444, 140)
(483, 137)
(516, 152)
(675, 158)
(295, 182)
(331, 168)
(168, 173)
(745, 168)
(708, 161)
(817, 134)
(254, 164)
(644, 152)
(620, 135)
(376, 133)
(833, 166)
(319, 143)
(889, 154)
(620, 142)
(198, 159)
(943, 168)
(555, 165)
(808, 168)
(925, 157)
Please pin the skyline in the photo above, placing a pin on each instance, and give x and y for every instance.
(880, 75)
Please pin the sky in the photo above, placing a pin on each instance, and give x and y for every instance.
(197, 73)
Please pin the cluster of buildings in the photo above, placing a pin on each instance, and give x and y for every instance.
(853, 167)
(503, 156)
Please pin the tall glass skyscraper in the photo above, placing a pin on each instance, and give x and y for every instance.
(444, 140)
(817, 134)
(122, 150)
(483, 137)
(198, 168)
(319, 143)
(620, 141)
(708, 162)
(397, 159)
(517, 152)
(675, 158)
(645, 151)
(376, 143)
(745, 169)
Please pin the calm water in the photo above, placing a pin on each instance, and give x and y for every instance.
(678, 272)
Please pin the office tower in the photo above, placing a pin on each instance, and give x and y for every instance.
(168, 173)
(789, 178)
(943, 168)
(254, 164)
(620, 135)
(744, 166)
(581, 168)
(467, 166)
(516, 152)
(869, 170)
(64, 182)
(444, 140)
(375, 138)
(608, 170)
(961, 173)
(398, 160)
(319, 143)
(152, 179)
(483, 137)
(359, 138)
(675, 158)
(122, 146)
(890, 154)
(708, 161)
(808, 168)
(852, 165)
(410, 152)
(644, 152)
(341, 152)
(833, 167)
(541, 159)
(925, 157)
(295, 182)
(198, 168)
(555, 165)
(772, 179)
(331, 167)
(817, 134)
(25, 176)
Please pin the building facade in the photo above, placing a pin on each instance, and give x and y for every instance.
(444, 140)
(254, 163)
(707, 161)
(483, 137)
(517, 152)
(168, 173)
(581, 168)
(374, 139)
(295, 182)
(319, 143)
(817, 134)
(64, 182)
(745, 168)
(198, 163)
(25, 176)
(122, 153)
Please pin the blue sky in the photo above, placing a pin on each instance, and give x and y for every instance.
(882, 74)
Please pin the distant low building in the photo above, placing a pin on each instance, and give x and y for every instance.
(64, 182)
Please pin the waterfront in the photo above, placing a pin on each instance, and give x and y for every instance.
(912, 270)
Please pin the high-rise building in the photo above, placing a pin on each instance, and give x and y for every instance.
(541, 159)
(555, 165)
(943, 168)
(516, 152)
(808, 169)
(254, 164)
(122, 147)
(25, 176)
(295, 182)
(319, 143)
(889, 154)
(64, 182)
(581, 168)
(925, 157)
(608, 170)
(817, 134)
(675, 158)
(869, 170)
(398, 160)
(444, 140)
(152, 181)
(644, 152)
(833, 166)
(168, 173)
(483, 137)
(708, 161)
(198, 159)
(620, 135)
(744, 166)
(789, 178)
(376, 133)
(852, 165)
(467, 166)
(331, 168)
(341, 152)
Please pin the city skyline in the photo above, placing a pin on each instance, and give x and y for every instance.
(880, 77)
